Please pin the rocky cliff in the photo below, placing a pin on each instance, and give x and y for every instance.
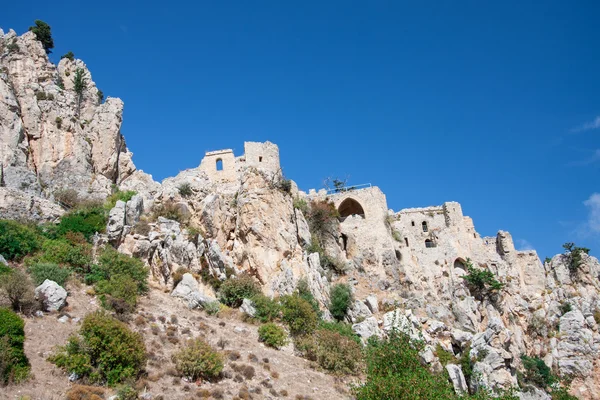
(51, 137)
(407, 269)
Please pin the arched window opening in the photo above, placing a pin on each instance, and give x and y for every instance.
(260, 159)
(429, 243)
(459, 263)
(219, 164)
(425, 228)
(344, 241)
(398, 255)
(406, 241)
(350, 207)
(413, 223)
(475, 235)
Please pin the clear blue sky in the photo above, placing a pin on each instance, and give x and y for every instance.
(493, 106)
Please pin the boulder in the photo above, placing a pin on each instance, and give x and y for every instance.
(116, 221)
(248, 308)
(52, 294)
(458, 379)
(367, 328)
(372, 303)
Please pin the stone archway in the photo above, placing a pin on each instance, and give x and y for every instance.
(350, 207)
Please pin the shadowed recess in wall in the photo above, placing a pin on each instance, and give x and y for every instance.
(350, 207)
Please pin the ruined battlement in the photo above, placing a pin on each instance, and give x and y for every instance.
(224, 166)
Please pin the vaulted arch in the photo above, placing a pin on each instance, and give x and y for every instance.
(350, 207)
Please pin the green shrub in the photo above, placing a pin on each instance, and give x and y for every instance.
(341, 328)
(106, 350)
(273, 335)
(198, 360)
(537, 372)
(118, 294)
(67, 198)
(168, 210)
(574, 256)
(18, 289)
(43, 33)
(86, 221)
(5, 269)
(111, 263)
(100, 96)
(444, 355)
(127, 392)
(111, 200)
(267, 309)
(341, 299)
(394, 371)
(466, 363)
(565, 307)
(14, 365)
(185, 190)
(562, 393)
(234, 290)
(481, 282)
(298, 314)
(17, 240)
(301, 204)
(42, 271)
(69, 56)
(212, 308)
(304, 292)
(61, 251)
(332, 351)
(178, 275)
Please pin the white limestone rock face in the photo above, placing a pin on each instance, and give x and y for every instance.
(50, 139)
(20, 205)
(457, 378)
(53, 295)
(248, 308)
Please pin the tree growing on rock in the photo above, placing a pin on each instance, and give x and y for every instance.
(574, 256)
(80, 84)
(481, 282)
(43, 33)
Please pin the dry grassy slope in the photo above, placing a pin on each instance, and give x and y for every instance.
(283, 373)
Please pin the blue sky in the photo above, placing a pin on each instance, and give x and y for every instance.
(496, 106)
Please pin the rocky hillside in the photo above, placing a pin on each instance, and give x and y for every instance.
(53, 138)
(488, 318)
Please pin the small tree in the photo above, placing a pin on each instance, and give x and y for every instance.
(69, 56)
(341, 298)
(80, 84)
(574, 256)
(481, 282)
(43, 33)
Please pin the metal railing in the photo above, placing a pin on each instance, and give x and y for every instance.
(349, 188)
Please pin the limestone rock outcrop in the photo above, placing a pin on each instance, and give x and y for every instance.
(52, 138)
(52, 295)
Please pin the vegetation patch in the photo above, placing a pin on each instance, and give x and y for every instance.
(234, 290)
(198, 360)
(14, 365)
(332, 351)
(481, 282)
(105, 351)
(272, 335)
(341, 299)
(298, 314)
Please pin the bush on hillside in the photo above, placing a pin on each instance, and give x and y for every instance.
(341, 299)
(105, 350)
(16, 287)
(87, 221)
(332, 351)
(185, 190)
(342, 328)
(117, 195)
(198, 360)
(272, 335)
(42, 271)
(298, 314)
(234, 290)
(118, 294)
(267, 309)
(304, 292)
(394, 371)
(66, 253)
(14, 365)
(537, 372)
(574, 256)
(481, 282)
(111, 264)
(17, 240)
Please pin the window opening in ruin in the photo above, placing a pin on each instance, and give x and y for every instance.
(219, 164)
(344, 241)
(475, 235)
(350, 207)
(425, 229)
(406, 241)
(398, 255)
(413, 223)
(260, 159)
(458, 263)
(429, 243)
